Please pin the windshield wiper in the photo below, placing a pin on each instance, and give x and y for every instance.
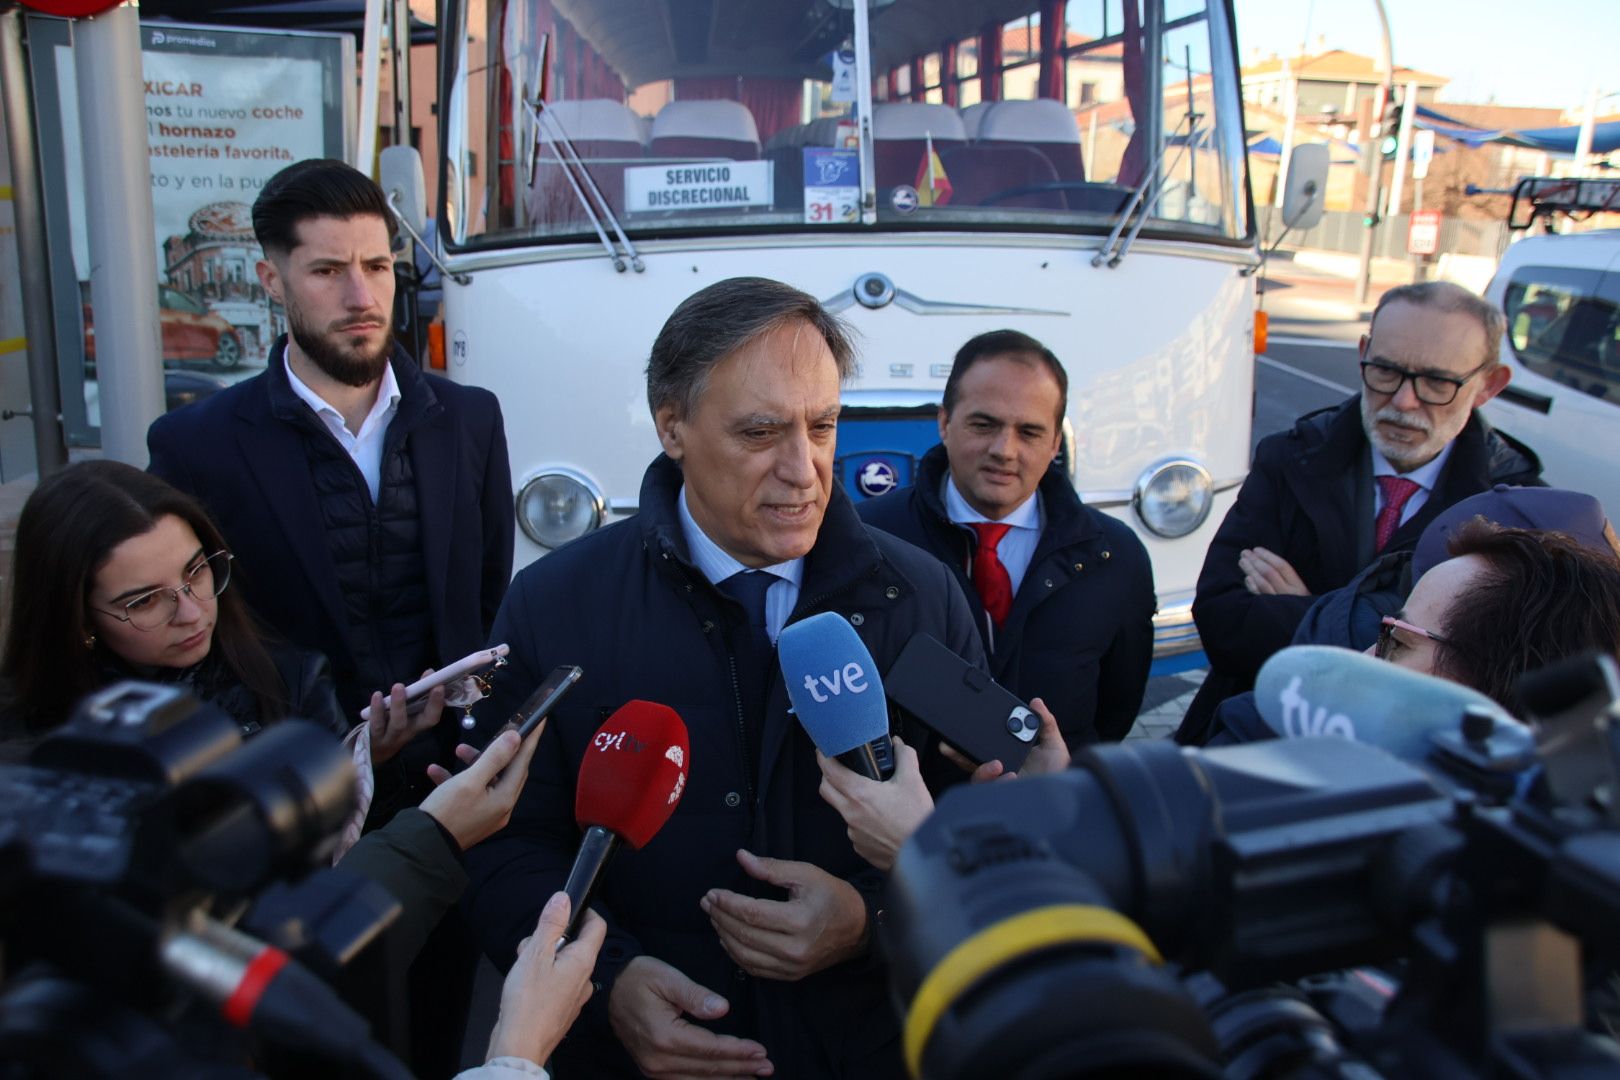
(569, 161)
(1139, 200)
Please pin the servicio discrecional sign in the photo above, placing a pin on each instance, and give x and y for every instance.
(703, 185)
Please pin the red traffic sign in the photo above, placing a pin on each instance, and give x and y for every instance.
(1423, 233)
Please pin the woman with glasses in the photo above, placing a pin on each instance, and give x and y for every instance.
(118, 575)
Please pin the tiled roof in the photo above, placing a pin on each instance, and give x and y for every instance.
(1338, 65)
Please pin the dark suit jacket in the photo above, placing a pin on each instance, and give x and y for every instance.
(1309, 498)
(244, 458)
(625, 604)
(1080, 632)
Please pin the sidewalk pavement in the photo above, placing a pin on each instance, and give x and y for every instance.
(1165, 704)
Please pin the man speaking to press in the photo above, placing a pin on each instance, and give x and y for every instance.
(739, 938)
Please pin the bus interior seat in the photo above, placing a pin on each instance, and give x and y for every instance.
(978, 171)
(705, 129)
(901, 132)
(971, 115)
(1044, 125)
(606, 135)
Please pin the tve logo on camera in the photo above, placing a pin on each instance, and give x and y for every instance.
(850, 677)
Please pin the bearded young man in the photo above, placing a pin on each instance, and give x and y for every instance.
(368, 504)
(1356, 481)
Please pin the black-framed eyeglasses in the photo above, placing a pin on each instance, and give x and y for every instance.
(157, 608)
(1386, 635)
(1431, 389)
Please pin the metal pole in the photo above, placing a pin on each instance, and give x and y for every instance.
(119, 228)
(863, 113)
(1290, 112)
(365, 153)
(400, 64)
(1403, 147)
(1375, 181)
(28, 215)
(1583, 141)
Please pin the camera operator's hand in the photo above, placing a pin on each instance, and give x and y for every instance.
(478, 802)
(647, 1009)
(547, 987)
(821, 923)
(393, 727)
(880, 814)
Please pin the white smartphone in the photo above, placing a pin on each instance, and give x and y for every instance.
(471, 664)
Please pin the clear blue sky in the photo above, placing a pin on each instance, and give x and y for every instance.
(1521, 52)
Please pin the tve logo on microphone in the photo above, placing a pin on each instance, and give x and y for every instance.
(1300, 720)
(851, 677)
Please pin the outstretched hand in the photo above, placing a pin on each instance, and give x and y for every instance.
(880, 815)
(547, 987)
(478, 803)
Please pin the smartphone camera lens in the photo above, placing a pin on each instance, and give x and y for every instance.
(1022, 724)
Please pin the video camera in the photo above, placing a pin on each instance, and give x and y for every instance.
(1299, 907)
(161, 910)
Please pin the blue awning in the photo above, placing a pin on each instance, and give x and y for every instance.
(1554, 140)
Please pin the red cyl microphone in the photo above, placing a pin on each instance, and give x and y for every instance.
(629, 784)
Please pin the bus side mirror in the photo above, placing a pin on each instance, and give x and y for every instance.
(1306, 195)
(400, 170)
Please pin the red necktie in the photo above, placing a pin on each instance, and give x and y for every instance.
(990, 578)
(1398, 491)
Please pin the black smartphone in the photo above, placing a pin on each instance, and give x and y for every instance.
(545, 698)
(961, 704)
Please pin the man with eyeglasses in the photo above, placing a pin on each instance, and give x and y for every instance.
(1349, 483)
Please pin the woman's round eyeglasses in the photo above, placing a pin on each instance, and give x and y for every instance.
(157, 608)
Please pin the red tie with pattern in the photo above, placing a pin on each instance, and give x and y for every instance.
(990, 578)
(1398, 491)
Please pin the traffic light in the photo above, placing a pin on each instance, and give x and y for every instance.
(1390, 130)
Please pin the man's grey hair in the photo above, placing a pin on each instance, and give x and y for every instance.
(1446, 296)
(715, 322)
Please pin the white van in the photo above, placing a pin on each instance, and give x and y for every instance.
(1562, 299)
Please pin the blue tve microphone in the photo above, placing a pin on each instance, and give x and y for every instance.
(837, 693)
(1322, 690)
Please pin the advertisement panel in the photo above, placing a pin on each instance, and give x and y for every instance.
(225, 111)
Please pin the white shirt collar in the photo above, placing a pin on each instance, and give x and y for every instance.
(387, 399)
(715, 562)
(1026, 516)
(1425, 476)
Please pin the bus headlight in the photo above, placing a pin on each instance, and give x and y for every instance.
(558, 506)
(1173, 497)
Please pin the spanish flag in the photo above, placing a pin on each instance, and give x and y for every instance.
(933, 186)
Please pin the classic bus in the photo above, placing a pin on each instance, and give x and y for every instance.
(931, 169)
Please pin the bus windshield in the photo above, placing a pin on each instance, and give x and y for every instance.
(683, 117)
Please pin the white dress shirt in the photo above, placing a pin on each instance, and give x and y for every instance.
(366, 447)
(717, 565)
(1424, 476)
(1017, 548)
